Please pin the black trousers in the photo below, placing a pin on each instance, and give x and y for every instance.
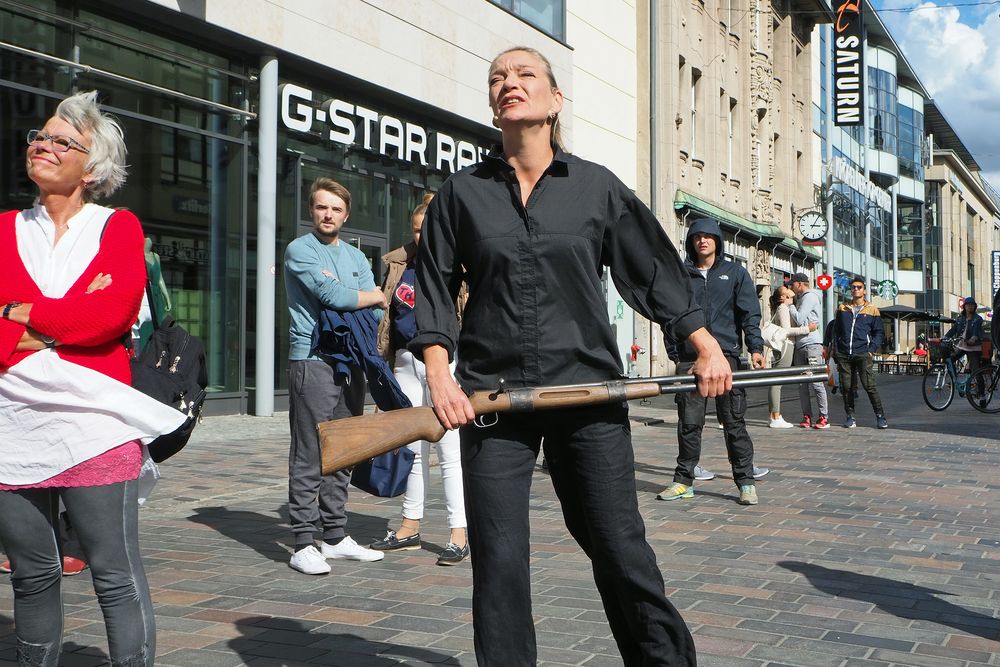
(858, 366)
(590, 460)
(731, 408)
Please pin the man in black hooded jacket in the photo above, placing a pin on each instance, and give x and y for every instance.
(726, 293)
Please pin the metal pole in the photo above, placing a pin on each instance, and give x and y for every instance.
(830, 300)
(267, 197)
(895, 263)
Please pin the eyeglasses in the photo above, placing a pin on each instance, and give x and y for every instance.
(854, 287)
(60, 143)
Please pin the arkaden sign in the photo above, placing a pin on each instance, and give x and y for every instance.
(848, 63)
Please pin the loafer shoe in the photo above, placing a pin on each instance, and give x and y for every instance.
(453, 554)
(309, 561)
(73, 566)
(348, 549)
(392, 543)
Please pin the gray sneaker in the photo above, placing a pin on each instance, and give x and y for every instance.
(881, 422)
(760, 472)
(703, 475)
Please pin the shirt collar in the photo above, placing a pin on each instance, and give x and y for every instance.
(496, 158)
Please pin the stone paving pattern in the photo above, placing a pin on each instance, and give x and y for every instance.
(869, 548)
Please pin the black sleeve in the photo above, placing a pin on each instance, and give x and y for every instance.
(438, 279)
(646, 268)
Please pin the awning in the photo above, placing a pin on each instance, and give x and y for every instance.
(761, 230)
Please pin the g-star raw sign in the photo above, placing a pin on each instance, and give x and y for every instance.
(848, 64)
(354, 125)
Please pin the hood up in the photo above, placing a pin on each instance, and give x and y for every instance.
(703, 226)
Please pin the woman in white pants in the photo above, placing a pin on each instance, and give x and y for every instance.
(396, 330)
(781, 299)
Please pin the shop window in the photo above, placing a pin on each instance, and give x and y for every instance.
(911, 236)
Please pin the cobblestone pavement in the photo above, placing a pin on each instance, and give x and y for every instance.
(868, 548)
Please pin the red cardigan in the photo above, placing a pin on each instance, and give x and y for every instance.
(89, 327)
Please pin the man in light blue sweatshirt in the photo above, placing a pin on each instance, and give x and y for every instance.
(322, 272)
(808, 308)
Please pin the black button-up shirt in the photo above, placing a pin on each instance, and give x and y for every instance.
(536, 313)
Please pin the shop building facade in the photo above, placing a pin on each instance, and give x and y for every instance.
(231, 109)
(962, 226)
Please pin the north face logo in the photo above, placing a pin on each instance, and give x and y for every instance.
(723, 277)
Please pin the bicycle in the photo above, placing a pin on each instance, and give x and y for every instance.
(943, 378)
(984, 388)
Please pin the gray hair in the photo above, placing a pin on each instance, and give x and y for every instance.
(106, 159)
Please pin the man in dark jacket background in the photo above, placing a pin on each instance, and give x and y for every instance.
(858, 332)
(726, 293)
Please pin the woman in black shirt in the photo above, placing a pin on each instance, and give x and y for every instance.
(534, 227)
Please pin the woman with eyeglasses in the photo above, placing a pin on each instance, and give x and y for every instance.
(71, 429)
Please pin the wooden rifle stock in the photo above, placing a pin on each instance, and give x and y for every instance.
(347, 442)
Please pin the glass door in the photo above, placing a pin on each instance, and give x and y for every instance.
(373, 248)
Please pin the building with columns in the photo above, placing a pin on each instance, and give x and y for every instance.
(729, 103)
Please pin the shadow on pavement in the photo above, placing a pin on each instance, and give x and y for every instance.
(294, 641)
(268, 535)
(91, 656)
(899, 598)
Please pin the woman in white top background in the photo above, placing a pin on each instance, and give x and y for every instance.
(781, 299)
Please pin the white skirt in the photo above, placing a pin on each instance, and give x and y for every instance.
(55, 414)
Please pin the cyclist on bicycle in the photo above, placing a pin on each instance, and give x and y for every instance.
(968, 334)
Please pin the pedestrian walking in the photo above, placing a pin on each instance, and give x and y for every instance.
(534, 227)
(322, 272)
(395, 332)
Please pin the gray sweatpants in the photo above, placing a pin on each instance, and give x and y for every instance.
(317, 501)
(806, 355)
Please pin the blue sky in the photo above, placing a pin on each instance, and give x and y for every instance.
(955, 52)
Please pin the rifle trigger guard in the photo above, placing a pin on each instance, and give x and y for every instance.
(481, 423)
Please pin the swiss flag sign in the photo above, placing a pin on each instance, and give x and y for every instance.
(824, 281)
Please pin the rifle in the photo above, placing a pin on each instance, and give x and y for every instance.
(347, 442)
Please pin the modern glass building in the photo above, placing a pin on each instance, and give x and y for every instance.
(878, 198)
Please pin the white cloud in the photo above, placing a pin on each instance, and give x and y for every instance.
(958, 60)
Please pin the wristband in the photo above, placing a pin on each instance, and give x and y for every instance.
(10, 306)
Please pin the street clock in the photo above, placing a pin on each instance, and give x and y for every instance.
(813, 226)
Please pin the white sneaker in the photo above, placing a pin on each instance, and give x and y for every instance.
(309, 561)
(780, 423)
(350, 550)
